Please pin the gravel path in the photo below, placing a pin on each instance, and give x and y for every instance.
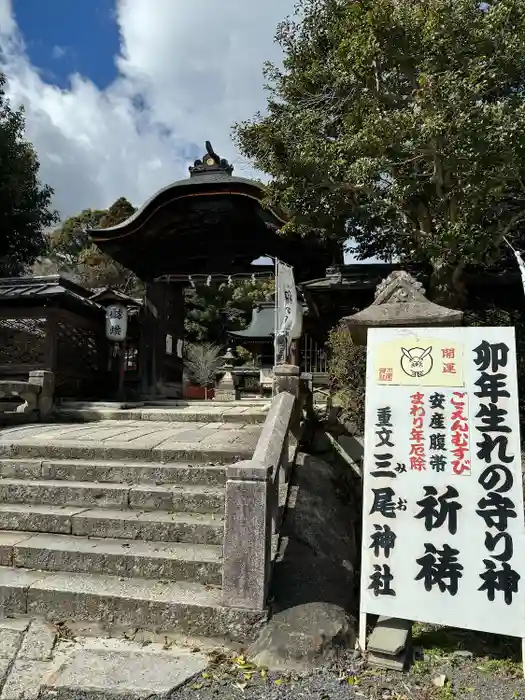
(451, 665)
(464, 680)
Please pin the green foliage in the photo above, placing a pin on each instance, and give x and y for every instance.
(400, 124)
(245, 357)
(214, 310)
(347, 376)
(118, 212)
(71, 238)
(24, 201)
(71, 248)
(202, 362)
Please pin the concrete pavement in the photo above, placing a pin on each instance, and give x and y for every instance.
(38, 662)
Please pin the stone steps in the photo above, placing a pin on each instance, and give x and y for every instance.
(179, 498)
(148, 526)
(254, 414)
(126, 558)
(131, 441)
(107, 471)
(121, 520)
(189, 608)
(123, 451)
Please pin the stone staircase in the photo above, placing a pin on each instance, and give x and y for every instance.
(121, 519)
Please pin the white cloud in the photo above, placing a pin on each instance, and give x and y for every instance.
(187, 69)
(58, 52)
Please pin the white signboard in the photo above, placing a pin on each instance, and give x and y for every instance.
(116, 322)
(443, 527)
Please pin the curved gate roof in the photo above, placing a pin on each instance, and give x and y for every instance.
(212, 222)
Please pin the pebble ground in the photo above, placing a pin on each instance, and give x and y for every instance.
(450, 665)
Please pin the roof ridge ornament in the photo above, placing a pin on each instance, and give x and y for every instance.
(210, 163)
(399, 286)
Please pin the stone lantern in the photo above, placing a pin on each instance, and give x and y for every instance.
(400, 301)
(226, 388)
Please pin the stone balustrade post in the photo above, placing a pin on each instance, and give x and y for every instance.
(247, 536)
(286, 378)
(46, 381)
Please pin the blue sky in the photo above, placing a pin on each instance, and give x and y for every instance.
(120, 95)
(70, 36)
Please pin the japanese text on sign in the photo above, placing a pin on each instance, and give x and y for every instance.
(443, 531)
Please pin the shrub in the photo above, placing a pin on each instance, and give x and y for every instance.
(245, 356)
(347, 376)
(203, 362)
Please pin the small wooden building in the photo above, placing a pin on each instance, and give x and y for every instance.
(50, 323)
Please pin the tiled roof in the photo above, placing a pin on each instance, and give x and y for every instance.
(19, 288)
(262, 324)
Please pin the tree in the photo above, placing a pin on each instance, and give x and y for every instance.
(213, 310)
(101, 270)
(400, 124)
(118, 212)
(70, 240)
(25, 202)
(71, 247)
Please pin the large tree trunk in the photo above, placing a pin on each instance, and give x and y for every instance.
(447, 284)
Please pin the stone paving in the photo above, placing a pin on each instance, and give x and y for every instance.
(148, 435)
(210, 412)
(157, 441)
(39, 660)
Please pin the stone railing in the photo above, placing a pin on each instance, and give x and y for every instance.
(35, 397)
(255, 495)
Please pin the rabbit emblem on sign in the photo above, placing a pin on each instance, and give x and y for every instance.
(416, 362)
